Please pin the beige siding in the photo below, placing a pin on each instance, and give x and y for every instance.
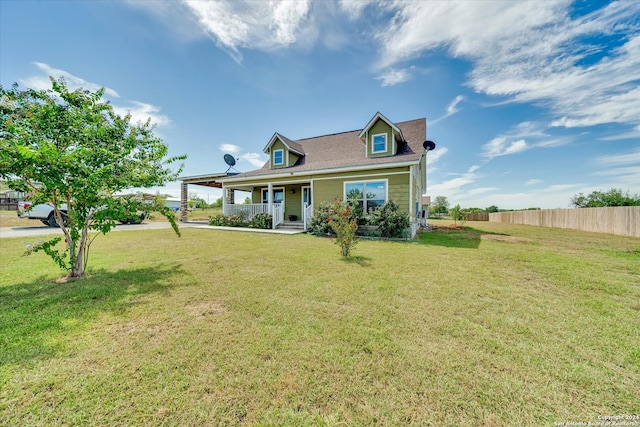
(278, 145)
(380, 127)
(325, 190)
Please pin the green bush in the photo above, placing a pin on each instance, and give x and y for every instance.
(261, 220)
(390, 221)
(319, 224)
(219, 221)
(236, 220)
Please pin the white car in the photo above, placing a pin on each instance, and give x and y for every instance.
(44, 213)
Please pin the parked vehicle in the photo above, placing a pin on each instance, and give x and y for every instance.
(44, 213)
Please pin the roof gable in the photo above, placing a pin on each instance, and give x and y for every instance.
(376, 117)
(292, 146)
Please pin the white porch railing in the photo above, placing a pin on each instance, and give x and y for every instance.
(278, 214)
(248, 211)
(307, 214)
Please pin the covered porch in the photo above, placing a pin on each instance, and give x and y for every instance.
(289, 204)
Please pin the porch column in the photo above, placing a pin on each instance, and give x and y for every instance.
(270, 202)
(230, 196)
(184, 206)
(224, 199)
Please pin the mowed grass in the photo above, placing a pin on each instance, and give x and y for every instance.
(491, 325)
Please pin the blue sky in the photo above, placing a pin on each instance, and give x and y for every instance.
(529, 103)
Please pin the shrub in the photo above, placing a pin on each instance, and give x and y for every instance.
(344, 224)
(261, 220)
(390, 221)
(236, 220)
(319, 224)
(219, 221)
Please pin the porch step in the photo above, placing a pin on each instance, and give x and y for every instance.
(291, 225)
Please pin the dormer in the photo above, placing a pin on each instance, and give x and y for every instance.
(282, 152)
(381, 137)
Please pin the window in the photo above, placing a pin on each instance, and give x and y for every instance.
(379, 143)
(278, 195)
(278, 157)
(368, 195)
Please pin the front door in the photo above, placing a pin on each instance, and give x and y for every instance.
(306, 197)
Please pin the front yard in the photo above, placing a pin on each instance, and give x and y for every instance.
(493, 324)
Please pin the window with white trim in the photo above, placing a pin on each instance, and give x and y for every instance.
(278, 157)
(367, 194)
(278, 195)
(379, 143)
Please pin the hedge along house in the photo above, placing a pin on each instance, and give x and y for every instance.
(383, 161)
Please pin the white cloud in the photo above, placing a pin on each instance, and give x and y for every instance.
(455, 185)
(618, 159)
(533, 182)
(452, 109)
(395, 76)
(42, 82)
(501, 146)
(480, 190)
(560, 187)
(230, 148)
(256, 159)
(141, 112)
(354, 8)
(531, 52)
(250, 24)
(435, 155)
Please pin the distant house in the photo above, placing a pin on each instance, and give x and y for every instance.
(382, 161)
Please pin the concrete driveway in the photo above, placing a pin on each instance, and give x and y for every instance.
(43, 230)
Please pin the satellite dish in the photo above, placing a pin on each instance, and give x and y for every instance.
(429, 145)
(229, 160)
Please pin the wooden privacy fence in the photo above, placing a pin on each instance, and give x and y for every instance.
(622, 220)
(477, 216)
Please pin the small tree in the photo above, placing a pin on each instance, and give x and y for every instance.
(70, 147)
(343, 222)
(457, 214)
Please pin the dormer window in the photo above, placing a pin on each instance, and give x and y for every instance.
(278, 157)
(379, 143)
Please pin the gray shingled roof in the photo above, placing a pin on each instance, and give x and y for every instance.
(346, 149)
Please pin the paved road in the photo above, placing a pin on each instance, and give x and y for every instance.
(43, 230)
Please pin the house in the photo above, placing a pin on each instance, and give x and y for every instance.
(382, 161)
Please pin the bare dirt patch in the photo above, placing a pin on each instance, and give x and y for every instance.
(503, 238)
(206, 308)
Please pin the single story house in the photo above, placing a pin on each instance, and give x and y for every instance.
(382, 161)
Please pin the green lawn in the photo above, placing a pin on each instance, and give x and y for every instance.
(492, 325)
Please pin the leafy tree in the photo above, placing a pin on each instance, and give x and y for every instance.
(217, 203)
(491, 209)
(473, 210)
(70, 147)
(597, 199)
(248, 201)
(440, 205)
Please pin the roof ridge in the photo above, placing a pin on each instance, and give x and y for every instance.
(354, 130)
